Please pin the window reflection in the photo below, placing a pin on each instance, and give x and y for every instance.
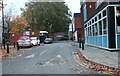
(118, 19)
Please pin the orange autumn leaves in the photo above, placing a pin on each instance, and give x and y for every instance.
(18, 24)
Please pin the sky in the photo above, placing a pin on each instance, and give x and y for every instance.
(74, 5)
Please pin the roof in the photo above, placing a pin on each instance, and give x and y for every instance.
(77, 29)
(43, 32)
(76, 14)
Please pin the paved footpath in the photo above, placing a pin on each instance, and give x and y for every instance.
(12, 52)
(100, 56)
(4, 54)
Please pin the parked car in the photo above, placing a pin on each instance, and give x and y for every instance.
(24, 41)
(48, 41)
(35, 41)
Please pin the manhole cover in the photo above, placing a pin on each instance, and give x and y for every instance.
(40, 64)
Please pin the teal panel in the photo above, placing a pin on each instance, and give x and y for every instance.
(95, 41)
(118, 41)
(88, 40)
(105, 41)
(100, 41)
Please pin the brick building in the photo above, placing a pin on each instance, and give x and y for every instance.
(28, 32)
(101, 23)
(76, 26)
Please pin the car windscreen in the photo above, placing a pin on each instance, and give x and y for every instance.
(33, 38)
(24, 38)
(48, 39)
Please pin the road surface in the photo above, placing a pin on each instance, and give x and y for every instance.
(56, 58)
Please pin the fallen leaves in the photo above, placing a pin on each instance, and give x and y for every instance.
(98, 67)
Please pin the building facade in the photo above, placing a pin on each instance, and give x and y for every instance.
(27, 32)
(70, 31)
(102, 24)
(77, 28)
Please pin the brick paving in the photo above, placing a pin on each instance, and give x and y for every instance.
(12, 51)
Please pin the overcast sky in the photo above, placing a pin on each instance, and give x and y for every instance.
(74, 5)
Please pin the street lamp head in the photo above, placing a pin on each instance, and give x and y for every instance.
(13, 35)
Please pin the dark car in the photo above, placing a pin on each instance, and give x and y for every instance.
(48, 41)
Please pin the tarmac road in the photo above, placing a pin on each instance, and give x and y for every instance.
(56, 58)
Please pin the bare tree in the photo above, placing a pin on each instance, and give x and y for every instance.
(9, 14)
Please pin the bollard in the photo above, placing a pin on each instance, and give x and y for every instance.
(79, 43)
(18, 46)
(82, 44)
(14, 44)
(7, 47)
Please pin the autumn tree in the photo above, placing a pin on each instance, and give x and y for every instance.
(50, 16)
(18, 24)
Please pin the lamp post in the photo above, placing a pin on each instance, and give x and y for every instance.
(8, 36)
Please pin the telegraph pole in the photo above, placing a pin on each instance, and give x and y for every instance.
(3, 24)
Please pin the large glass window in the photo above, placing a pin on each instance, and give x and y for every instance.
(88, 24)
(95, 18)
(92, 20)
(90, 31)
(105, 26)
(100, 27)
(93, 30)
(99, 16)
(87, 32)
(104, 13)
(96, 30)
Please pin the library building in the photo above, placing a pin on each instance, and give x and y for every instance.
(103, 28)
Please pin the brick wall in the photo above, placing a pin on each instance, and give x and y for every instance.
(90, 8)
(15, 36)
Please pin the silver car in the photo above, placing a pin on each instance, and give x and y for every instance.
(24, 41)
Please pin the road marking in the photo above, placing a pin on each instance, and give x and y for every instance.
(48, 62)
(42, 52)
(59, 56)
(30, 56)
(20, 55)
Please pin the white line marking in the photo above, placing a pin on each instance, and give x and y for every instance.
(42, 52)
(20, 55)
(59, 56)
(48, 62)
(30, 56)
